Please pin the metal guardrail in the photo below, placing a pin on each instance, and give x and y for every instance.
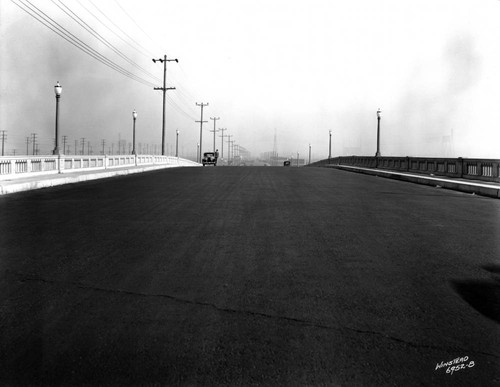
(473, 169)
(25, 166)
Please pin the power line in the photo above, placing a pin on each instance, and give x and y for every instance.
(182, 97)
(98, 36)
(144, 52)
(186, 101)
(178, 108)
(48, 22)
(138, 26)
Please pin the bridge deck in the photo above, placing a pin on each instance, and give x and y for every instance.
(241, 276)
(20, 184)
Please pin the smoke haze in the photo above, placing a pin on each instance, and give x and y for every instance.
(297, 68)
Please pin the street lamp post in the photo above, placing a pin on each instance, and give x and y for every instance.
(57, 90)
(134, 115)
(176, 143)
(198, 160)
(330, 147)
(379, 114)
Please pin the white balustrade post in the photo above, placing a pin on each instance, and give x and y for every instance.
(12, 167)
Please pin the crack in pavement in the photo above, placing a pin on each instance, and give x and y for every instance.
(250, 313)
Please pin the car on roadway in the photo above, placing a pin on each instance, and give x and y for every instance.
(209, 159)
(286, 163)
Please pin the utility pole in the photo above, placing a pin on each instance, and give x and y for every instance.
(215, 119)
(177, 143)
(275, 150)
(232, 149)
(76, 147)
(164, 89)
(83, 145)
(28, 141)
(88, 147)
(229, 147)
(330, 147)
(103, 143)
(34, 142)
(201, 127)
(4, 137)
(222, 143)
(64, 139)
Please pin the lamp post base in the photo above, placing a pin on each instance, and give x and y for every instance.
(377, 154)
(56, 151)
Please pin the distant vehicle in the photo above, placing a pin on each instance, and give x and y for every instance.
(286, 163)
(209, 159)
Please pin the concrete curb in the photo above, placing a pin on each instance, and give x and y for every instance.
(13, 186)
(484, 189)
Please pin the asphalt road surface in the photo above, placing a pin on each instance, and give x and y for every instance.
(249, 276)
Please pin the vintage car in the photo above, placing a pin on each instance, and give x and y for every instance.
(209, 159)
(286, 163)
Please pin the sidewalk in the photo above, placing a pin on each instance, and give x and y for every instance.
(463, 185)
(20, 184)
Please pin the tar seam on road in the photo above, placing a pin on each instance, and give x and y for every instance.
(23, 278)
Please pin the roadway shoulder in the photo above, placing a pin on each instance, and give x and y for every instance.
(472, 187)
(52, 180)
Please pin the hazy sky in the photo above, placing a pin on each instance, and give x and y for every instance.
(300, 68)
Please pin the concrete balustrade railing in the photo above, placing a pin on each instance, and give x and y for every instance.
(25, 166)
(474, 169)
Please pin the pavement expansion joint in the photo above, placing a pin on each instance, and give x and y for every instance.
(25, 277)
